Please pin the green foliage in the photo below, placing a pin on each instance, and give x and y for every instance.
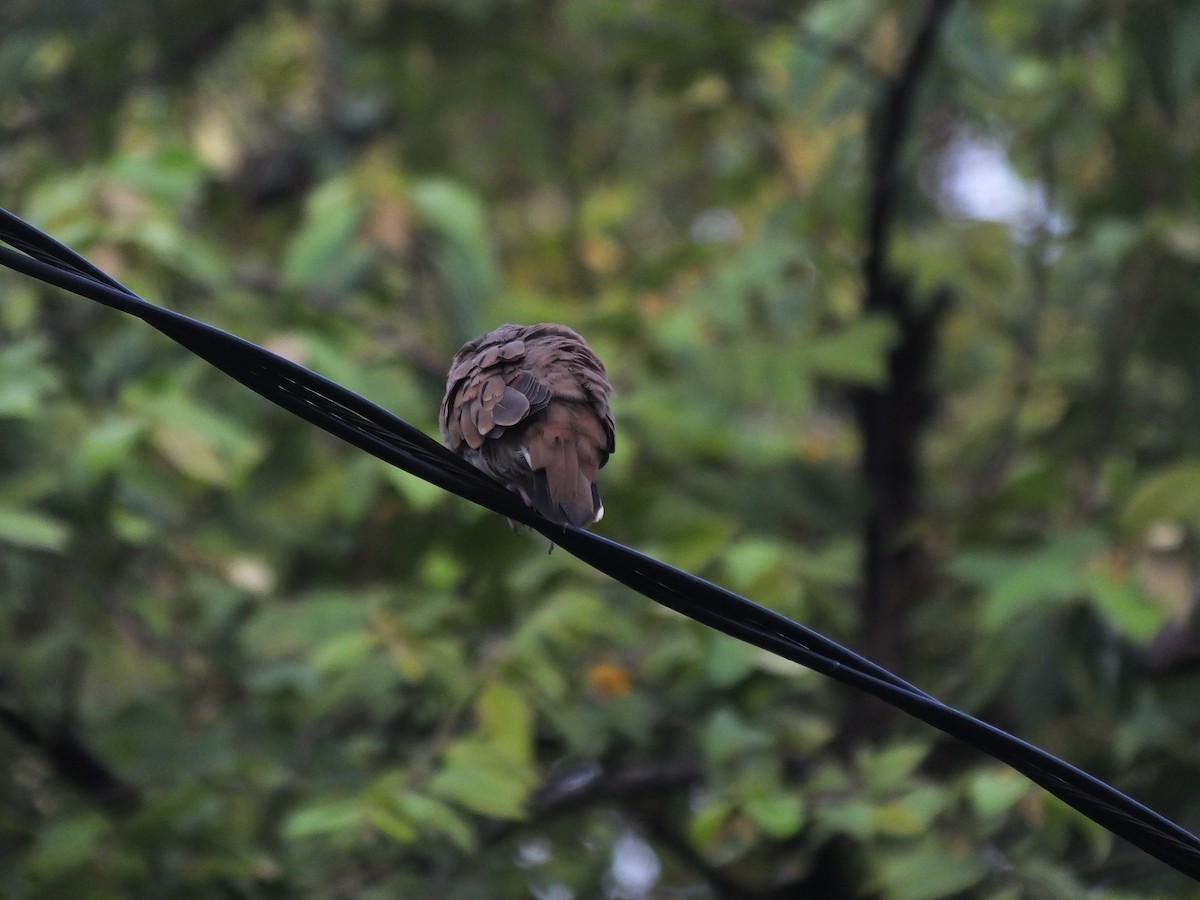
(323, 677)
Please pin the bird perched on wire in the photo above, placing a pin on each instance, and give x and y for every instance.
(528, 405)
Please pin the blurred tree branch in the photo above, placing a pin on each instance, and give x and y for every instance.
(75, 763)
(891, 417)
(891, 129)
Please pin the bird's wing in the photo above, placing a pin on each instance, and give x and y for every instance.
(491, 387)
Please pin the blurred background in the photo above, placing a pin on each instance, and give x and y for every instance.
(239, 658)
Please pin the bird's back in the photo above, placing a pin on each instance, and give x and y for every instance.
(529, 406)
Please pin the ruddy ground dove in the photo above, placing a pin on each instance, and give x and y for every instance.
(528, 404)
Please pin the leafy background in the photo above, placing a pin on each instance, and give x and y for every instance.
(239, 658)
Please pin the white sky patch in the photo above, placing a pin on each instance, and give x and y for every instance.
(976, 181)
(534, 852)
(717, 225)
(635, 868)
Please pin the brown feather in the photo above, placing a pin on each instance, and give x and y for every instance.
(529, 406)
(511, 407)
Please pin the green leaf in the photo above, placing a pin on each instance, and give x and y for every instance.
(994, 792)
(1049, 878)
(838, 20)
(851, 817)
(480, 779)
(172, 173)
(780, 814)
(453, 209)
(181, 249)
(728, 662)
(927, 873)
(506, 721)
(1171, 495)
(343, 650)
(398, 828)
(857, 353)
(32, 530)
(892, 767)
(323, 254)
(133, 529)
(279, 628)
(466, 261)
(911, 814)
(198, 441)
(433, 814)
(562, 620)
(727, 736)
(1148, 726)
(68, 843)
(707, 822)
(190, 450)
(325, 818)
(26, 378)
(896, 820)
(109, 443)
(1020, 583)
(751, 559)
(1121, 600)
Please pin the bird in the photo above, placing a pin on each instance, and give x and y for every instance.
(529, 406)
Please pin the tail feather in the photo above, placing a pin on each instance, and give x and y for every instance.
(562, 490)
(570, 511)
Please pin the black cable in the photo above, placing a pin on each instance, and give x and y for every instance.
(371, 428)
